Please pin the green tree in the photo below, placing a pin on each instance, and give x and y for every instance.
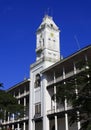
(9, 105)
(77, 90)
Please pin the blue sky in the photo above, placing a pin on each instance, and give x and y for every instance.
(19, 20)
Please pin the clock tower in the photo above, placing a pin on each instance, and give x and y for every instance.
(47, 44)
(47, 53)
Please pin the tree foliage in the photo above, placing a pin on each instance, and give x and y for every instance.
(9, 105)
(77, 90)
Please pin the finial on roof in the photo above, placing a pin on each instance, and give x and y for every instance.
(25, 77)
(47, 14)
(47, 17)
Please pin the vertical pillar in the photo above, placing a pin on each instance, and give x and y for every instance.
(76, 91)
(44, 105)
(87, 62)
(0, 124)
(18, 126)
(13, 117)
(24, 101)
(14, 94)
(33, 125)
(78, 122)
(4, 116)
(56, 126)
(65, 105)
(19, 101)
(25, 109)
(8, 116)
(45, 123)
(63, 73)
(24, 126)
(24, 106)
(12, 127)
(86, 58)
(31, 105)
(74, 69)
(55, 103)
(66, 115)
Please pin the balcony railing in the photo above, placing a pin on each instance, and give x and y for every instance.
(56, 80)
(38, 115)
(52, 111)
(67, 75)
(22, 95)
(14, 121)
(40, 48)
(60, 78)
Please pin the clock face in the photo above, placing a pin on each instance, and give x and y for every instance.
(51, 34)
(51, 38)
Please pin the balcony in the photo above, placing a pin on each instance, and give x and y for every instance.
(22, 95)
(38, 115)
(52, 111)
(68, 75)
(60, 78)
(39, 49)
(15, 121)
(56, 80)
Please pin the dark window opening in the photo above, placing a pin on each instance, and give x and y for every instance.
(37, 81)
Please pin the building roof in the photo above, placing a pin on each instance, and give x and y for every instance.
(18, 84)
(48, 21)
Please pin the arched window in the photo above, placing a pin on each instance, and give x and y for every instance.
(37, 80)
